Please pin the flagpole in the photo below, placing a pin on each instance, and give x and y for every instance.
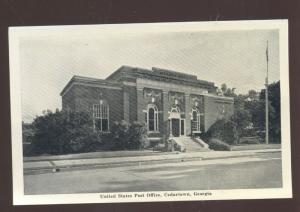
(267, 98)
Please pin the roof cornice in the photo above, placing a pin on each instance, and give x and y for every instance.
(88, 81)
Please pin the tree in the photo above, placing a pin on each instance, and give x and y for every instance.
(230, 92)
(224, 88)
(249, 110)
(256, 108)
(241, 117)
(57, 133)
(253, 95)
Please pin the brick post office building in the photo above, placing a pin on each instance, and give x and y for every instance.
(168, 102)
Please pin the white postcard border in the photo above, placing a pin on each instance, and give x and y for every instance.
(16, 131)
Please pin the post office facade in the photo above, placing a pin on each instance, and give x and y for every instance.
(168, 102)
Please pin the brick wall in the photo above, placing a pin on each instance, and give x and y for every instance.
(132, 103)
(216, 108)
(85, 96)
(164, 116)
(188, 109)
(68, 100)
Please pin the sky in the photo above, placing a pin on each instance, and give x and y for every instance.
(49, 59)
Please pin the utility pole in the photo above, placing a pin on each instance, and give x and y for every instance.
(267, 98)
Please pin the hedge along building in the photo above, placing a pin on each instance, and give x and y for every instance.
(168, 102)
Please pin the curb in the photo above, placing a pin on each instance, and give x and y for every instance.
(55, 168)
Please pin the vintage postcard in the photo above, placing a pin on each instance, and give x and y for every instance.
(184, 111)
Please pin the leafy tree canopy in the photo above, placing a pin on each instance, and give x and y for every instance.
(249, 110)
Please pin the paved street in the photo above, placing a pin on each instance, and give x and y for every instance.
(260, 171)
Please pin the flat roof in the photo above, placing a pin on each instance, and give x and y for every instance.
(158, 74)
(134, 72)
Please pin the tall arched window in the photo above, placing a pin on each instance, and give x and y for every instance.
(196, 120)
(152, 118)
(101, 117)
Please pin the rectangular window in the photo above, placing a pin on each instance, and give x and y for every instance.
(104, 124)
(101, 117)
(98, 124)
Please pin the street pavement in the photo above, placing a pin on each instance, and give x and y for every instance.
(250, 171)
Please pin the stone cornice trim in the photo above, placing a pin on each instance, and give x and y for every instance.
(69, 86)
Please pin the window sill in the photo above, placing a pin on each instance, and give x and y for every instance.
(105, 132)
(153, 132)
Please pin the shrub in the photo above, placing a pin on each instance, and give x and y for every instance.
(223, 130)
(95, 141)
(154, 142)
(72, 132)
(137, 136)
(27, 149)
(126, 136)
(61, 132)
(119, 131)
(216, 144)
(249, 132)
(250, 140)
(88, 143)
(27, 132)
(160, 147)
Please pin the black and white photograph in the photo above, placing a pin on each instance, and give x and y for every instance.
(150, 112)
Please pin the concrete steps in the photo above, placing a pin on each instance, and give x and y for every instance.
(191, 144)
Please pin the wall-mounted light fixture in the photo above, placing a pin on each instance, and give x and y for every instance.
(176, 101)
(100, 98)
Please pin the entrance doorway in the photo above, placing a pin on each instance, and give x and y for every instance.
(175, 127)
(177, 124)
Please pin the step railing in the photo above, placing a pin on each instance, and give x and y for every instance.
(178, 144)
(201, 143)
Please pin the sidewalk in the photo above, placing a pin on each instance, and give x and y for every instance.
(93, 155)
(57, 165)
